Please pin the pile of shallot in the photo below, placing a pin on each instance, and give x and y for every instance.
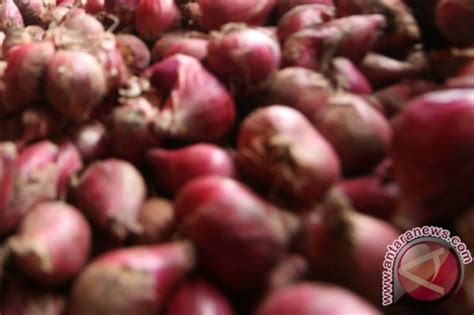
(227, 157)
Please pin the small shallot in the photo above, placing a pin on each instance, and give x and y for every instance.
(52, 243)
(280, 150)
(111, 194)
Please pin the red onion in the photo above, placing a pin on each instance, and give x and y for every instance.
(359, 133)
(27, 180)
(24, 74)
(33, 11)
(280, 150)
(242, 55)
(304, 16)
(197, 296)
(94, 6)
(382, 70)
(136, 280)
(52, 243)
(158, 220)
(347, 77)
(286, 5)
(130, 131)
(78, 20)
(134, 51)
(91, 140)
(371, 195)
(14, 37)
(20, 297)
(239, 236)
(123, 9)
(10, 16)
(174, 168)
(395, 97)
(352, 37)
(215, 13)
(187, 113)
(454, 19)
(401, 32)
(309, 298)
(303, 89)
(75, 83)
(190, 43)
(70, 163)
(111, 193)
(289, 270)
(155, 17)
(439, 186)
(341, 246)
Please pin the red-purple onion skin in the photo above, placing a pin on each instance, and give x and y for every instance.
(29, 179)
(382, 71)
(75, 84)
(358, 132)
(157, 217)
(241, 55)
(239, 236)
(190, 114)
(174, 168)
(69, 162)
(346, 251)
(52, 243)
(111, 193)
(347, 76)
(197, 296)
(351, 37)
(394, 98)
(91, 140)
(123, 9)
(286, 5)
(371, 195)
(440, 186)
(130, 134)
(303, 89)
(402, 31)
(280, 150)
(215, 13)
(94, 6)
(24, 74)
(10, 16)
(134, 51)
(167, 46)
(142, 278)
(20, 297)
(78, 20)
(152, 18)
(34, 10)
(309, 298)
(454, 20)
(304, 16)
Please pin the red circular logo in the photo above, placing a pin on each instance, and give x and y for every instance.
(429, 271)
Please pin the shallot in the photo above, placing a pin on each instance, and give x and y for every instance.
(52, 243)
(111, 194)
